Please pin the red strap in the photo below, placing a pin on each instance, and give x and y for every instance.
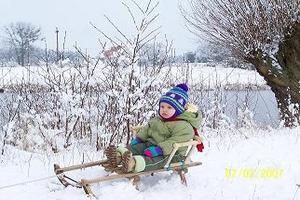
(196, 131)
(200, 146)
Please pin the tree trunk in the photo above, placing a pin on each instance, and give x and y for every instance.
(287, 104)
(283, 77)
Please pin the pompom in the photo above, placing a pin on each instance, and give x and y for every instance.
(191, 108)
(183, 86)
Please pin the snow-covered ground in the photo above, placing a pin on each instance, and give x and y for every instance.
(200, 73)
(210, 76)
(272, 156)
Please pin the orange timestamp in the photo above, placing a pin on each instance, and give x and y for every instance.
(250, 173)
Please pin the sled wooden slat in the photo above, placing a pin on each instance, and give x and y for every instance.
(176, 146)
(184, 144)
(129, 175)
(79, 166)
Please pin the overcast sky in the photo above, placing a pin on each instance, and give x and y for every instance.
(74, 16)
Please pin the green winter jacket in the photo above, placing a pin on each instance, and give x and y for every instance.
(166, 133)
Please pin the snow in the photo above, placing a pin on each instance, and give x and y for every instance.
(260, 150)
(212, 76)
(199, 73)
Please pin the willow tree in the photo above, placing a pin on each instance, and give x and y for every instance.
(265, 33)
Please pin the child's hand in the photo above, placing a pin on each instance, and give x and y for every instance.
(153, 151)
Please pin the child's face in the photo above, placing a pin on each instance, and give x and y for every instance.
(166, 110)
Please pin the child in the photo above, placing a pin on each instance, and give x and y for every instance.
(153, 143)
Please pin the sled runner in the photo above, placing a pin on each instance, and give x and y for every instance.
(179, 167)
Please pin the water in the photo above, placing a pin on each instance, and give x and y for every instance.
(261, 103)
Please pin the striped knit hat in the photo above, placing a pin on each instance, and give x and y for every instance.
(177, 97)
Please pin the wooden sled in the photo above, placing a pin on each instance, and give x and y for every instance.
(179, 167)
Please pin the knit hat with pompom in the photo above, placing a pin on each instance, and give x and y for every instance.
(177, 97)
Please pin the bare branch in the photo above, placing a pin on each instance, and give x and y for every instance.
(131, 14)
(118, 30)
(138, 6)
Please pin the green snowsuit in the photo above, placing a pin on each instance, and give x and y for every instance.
(164, 134)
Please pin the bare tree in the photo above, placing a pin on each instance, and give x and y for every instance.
(20, 37)
(265, 33)
(133, 65)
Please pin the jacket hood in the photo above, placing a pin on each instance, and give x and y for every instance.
(194, 118)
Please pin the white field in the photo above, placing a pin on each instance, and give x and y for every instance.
(273, 158)
(194, 74)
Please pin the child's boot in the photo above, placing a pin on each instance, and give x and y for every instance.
(132, 163)
(113, 156)
(128, 162)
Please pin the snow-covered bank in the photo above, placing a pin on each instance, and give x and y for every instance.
(214, 76)
(256, 150)
(199, 73)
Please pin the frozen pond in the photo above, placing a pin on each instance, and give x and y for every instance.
(262, 103)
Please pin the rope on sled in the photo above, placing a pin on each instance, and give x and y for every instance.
(27, 182)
